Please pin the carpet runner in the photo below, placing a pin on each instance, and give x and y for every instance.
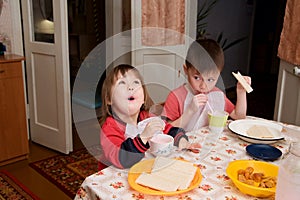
(67, 172)
(12, 189)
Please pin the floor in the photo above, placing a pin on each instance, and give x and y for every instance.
(260, 103)
(39, 185)
(33, 180)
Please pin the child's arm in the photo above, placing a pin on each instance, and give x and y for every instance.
(177, 133)
(241, 102)
(151, 128)
(121, 152)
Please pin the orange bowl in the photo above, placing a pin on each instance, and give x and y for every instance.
(259, 167)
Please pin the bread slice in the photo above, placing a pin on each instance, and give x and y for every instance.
(183, 179)
(161, 163)
(157, 182)
(242, 81)
(259, 131)
(169, 171)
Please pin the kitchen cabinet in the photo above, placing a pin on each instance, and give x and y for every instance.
(13, 122)
(287, 105)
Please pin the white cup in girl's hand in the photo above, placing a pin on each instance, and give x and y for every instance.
(161, 144)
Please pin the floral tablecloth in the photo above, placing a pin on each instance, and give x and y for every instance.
(216, 152)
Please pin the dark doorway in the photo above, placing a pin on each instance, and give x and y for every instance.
(264, 65)
(86, 30)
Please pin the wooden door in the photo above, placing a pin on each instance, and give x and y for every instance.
(287, 106)
(161, 63)
(45, 25)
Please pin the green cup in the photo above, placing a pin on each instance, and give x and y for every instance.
(217, 121)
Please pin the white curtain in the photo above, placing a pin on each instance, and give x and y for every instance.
(163, 22)
(289, 47)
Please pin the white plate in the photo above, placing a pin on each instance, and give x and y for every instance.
(241, 126)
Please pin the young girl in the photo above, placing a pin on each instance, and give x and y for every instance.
(125, 103)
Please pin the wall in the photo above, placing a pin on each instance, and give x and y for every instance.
(10, 25)
(235, 19)
(5, 27)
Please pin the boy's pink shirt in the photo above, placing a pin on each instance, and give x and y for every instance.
(174, 105)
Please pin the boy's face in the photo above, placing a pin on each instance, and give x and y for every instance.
(201, 83)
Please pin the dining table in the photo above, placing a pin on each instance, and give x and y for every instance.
(216, 152)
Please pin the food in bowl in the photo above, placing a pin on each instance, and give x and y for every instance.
(268, 169)
(259, 179)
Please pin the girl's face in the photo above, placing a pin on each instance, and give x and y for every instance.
(201, 83)
(127, 95)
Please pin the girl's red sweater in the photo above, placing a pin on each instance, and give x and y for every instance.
(123, 153)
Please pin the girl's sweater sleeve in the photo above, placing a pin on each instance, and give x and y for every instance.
(176, 132)
(121, 152)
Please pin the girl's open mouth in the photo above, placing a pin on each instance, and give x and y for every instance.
(131, 98)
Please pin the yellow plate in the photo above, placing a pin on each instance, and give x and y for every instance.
(146, 166)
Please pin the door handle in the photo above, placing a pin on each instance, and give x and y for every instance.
(296, 70)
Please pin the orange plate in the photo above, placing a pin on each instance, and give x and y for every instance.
(146, 166)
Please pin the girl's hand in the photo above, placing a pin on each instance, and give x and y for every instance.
(197, 101)
(151, 128)
(195, 146)
(239, 86)
(184, 144)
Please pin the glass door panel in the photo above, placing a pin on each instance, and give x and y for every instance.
(43, 21)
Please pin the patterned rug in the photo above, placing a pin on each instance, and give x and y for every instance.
(12, 189)
(67, 172)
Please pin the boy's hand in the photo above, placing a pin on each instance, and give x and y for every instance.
(239, 86)
(197, 101)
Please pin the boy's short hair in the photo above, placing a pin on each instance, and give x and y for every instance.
(205, 55)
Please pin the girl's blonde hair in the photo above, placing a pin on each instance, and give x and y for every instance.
(110, 80)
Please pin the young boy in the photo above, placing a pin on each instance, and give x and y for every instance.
(187, 106)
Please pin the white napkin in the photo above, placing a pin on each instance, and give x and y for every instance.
(132, 131)
(200, 118)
